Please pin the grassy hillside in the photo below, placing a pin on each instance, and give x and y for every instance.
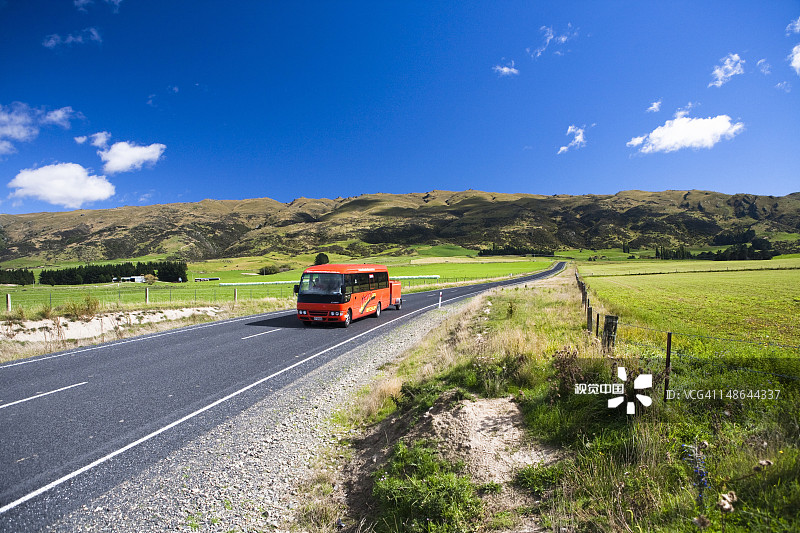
(375, 223)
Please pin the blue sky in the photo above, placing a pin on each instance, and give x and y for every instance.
(106, 103)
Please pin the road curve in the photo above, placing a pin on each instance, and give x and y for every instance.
(74, 424)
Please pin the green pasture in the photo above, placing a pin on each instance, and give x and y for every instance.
(444, 250)
(654, 266)
(616, 254)
(729, 314)
(245, 269)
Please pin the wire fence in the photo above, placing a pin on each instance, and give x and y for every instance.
(31, 299)
(722, 365)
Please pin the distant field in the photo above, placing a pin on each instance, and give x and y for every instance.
(755, 305)
(244, 270)
(652, 266)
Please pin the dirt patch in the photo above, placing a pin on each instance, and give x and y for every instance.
(486, 434)
(109, 325)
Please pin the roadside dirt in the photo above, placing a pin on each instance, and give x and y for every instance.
(104, 325)
(486, 434)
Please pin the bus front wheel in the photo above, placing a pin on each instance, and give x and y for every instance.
(347, 319)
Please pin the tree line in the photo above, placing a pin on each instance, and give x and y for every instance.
(18, 276)
(513, 250)
(742, 251)
(172, 271)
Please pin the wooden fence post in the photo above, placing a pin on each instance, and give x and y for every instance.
(8, 302)
(669, 364)
(147, 295)
(609, 333)
(597, 326)
(589, 316)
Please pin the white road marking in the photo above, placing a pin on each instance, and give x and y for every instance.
(42, 394)
(144, 338)
(262, 333)
(149, 436)
(157, 432)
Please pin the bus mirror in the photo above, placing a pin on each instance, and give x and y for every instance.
(296, 289)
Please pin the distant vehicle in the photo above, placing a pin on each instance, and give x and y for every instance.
(342, 293)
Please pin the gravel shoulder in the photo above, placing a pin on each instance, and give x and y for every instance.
(243, 474)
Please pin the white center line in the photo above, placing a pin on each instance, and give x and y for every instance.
(262, 333)
(42, 394)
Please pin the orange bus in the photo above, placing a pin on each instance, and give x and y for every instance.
(342, 293)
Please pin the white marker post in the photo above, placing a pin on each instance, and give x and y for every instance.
(440, 299)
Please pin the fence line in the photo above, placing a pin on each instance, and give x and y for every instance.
(128, 293)
(610, 338)
(713, 338)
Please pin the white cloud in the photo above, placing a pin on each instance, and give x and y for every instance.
(793, 27)
(655, 107)
(65, 184)
(125, 156)
(578, 141)
(100, 139)
(86, 35)
(684, 111)
(784, 86)
(794, 58)
(506, 71)
(730, 67)
(550, 36)
(82, 4)
(637, 141)
(6, 148)
(60, 117)
(81, 139)
(684, 132)
(765, 67)
(18, 122)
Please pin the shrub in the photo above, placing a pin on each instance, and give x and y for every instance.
(417, 491)
(268, 270)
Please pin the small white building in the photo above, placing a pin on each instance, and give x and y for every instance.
(133, 279)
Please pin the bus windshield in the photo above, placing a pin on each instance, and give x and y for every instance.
(321, 283)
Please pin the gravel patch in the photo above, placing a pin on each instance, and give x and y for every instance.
(243, 474)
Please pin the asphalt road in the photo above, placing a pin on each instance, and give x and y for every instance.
(74, 424)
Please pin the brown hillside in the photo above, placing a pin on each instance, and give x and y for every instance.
(219, 228)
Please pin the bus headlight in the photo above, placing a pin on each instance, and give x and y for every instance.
(302, 312)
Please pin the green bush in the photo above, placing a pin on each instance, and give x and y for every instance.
(268, 270)
(417, 491)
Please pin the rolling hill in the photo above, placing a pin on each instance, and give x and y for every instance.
(372, 222)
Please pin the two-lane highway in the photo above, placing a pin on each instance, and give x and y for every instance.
(76, 423)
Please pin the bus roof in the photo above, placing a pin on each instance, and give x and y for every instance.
(346, 269)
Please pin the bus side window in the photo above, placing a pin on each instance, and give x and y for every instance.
(348, 284)
(358, 286)
(383, 278)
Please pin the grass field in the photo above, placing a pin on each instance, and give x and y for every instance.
(455, 267)
(757, 305)
(654, 266)
(664, 469)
